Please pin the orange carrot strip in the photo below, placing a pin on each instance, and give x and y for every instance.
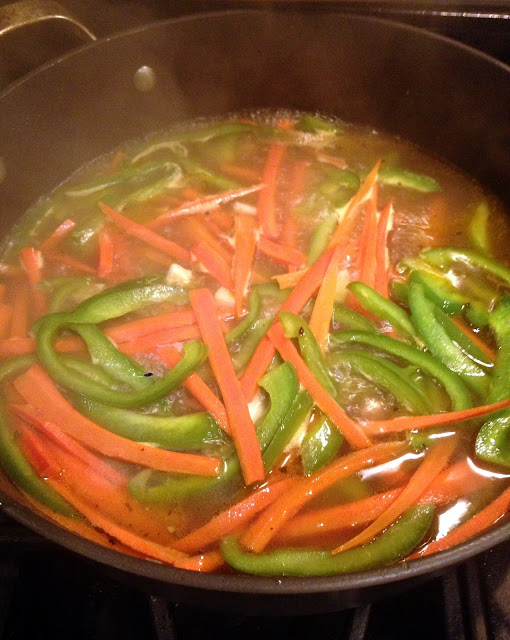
(434, 463)
(344, 228)
(204, 563)
(195, 385)
(307, 284)
(19, 346)
(382, 259)
(368, 245)
(56, 237)
(106, 254)
(245, 243)
(352, 431)
(160, 552)
(152, 341)
(234, 518)
(3, 291)
(328, 159)
(239, 419)
(395, 425)
(32, 261)
(10, 271)
(214, 264)
(144, 326)
(266, 208)
(322, 312)
(474, 338)
(243, 173)
(39, 390)
(288, 280)
(5, 319)
(280, 512)
(197, 229)
(472, 527)
(203, 205)
(281, 252)
(68, 261)
(455, 481)
(146, 235)
(20, 313)
(342, 516)
(53, 432)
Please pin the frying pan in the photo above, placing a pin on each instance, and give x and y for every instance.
(452, 101)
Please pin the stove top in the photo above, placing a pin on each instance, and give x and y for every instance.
(47, 592)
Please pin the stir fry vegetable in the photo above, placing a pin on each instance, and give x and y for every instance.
(253, 345)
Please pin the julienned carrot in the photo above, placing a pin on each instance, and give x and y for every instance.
(474, 338)
(56, 237)
(142, 327)
(146, 235)
(212, 261)
(5, 319)
(3, 291)
(239, 419)
(281, 252)
(203, 563)
(342, 516)
(336, 162)
(407, 423)
(39, 390)
(435, 461)
(106, 254)
(368, 242)
(198, 229)
(160, 552)
(151, 341)
(203, 204)
(345, 227)
(195, 385)
(307, 285)
(288, 280)
(472, 527)
(19, 346)
(457, 480)
(280, 512)
(68, 261)
(266, 208)
(33, 263)
(234, 518)
(384, 226)
(245, 243)
(322, 312)
(53, 432)
(10, 270)
(20, 313)
(351, 430)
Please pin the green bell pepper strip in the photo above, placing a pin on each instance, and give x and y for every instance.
(206, 175)
(352, 320)
(441, 345)
(83, 240)
(282, 385)
(179, 433)
(385, 309)
(441, 291)
(172, 180)
(478, 231)
(392, 545)
(89, 370)
(390, 376)
(444, 258)
(295, 327)
(254, 308)
(452, 383)
(110, 359)
(296, 416)
(399, 177)
(151, 487)
(63, 295)
(493, 440)
(320, 238)
(243, 353)
(13, 462)
(195, 354)
(272, 290)
(314, 124)
(320, 445)
(126, 298)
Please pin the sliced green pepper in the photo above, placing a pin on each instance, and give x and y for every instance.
(352, 320)
(444, 258)
(320, 445)
(254, 307)
(314, 124)
(399, 177)
(320, 238)
(478, 231)
(392, 545)
(452, 383)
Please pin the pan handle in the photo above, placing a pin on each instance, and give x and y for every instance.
(27, 12)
